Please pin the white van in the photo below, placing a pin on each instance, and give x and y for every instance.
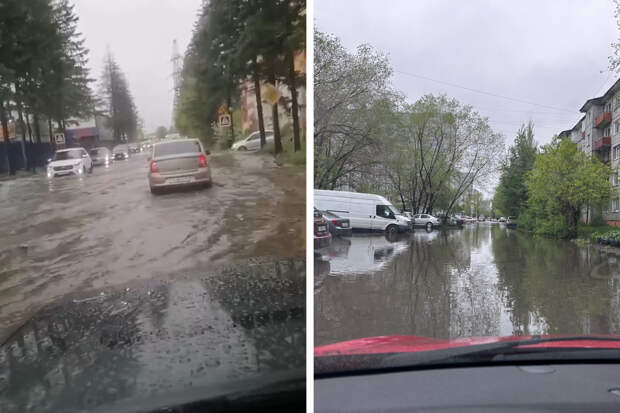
(365, 211)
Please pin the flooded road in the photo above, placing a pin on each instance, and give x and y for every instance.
(154, 343)
(75, 235)
(483, 280)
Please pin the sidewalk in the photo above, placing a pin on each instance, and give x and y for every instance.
(19, 174)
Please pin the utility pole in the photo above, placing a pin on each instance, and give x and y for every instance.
(177, 68)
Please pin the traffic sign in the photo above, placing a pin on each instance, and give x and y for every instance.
(59, 138)
(224, 121)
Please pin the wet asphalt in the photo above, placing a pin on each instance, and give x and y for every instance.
(75, 236)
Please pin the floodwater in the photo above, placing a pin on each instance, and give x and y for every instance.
(483, 280)
(76, 235)
(154, 343)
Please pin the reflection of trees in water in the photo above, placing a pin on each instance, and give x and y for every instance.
(268, 302)
(552, 280)
(411, 295)
(474, 300)
(76, 355)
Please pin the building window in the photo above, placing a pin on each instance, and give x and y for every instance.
(617, 127)
(614, 205)
(616, 152)
(608, 107)
(607, 132)
(614, 180)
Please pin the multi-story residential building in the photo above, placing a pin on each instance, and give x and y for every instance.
(598, 133)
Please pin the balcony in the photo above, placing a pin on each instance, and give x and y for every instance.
(602, 120)
(602, 143)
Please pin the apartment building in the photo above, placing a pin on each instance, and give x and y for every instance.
(598, 133)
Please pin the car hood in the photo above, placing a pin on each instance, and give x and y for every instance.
(157, 339)
(414, 344)
(65, 162)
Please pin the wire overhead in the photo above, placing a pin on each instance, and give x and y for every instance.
(486, 93)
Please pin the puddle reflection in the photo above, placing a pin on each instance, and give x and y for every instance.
(480, 281)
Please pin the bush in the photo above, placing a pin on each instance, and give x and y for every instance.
(607, 238)
(542, 218)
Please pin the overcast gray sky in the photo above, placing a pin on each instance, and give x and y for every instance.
(139, 34)
(547, 52)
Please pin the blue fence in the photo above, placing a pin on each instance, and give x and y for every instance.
(37, 154)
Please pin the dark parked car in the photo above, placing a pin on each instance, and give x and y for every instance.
(338, 227)
(322, 237)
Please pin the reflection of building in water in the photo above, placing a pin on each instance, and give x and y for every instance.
(615, 305)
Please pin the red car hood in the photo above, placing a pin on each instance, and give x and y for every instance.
(409, 344)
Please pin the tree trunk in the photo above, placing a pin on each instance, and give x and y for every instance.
(571, 215)
(7, 142)
(277, 140)
(22, 126)
(51, 132)
(28, 126)
(259, 109)
(293, 88)
(32, 163)
(229, 110)
(37, 127)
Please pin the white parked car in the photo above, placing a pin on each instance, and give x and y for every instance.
(252, 142)
(73, 161)
(425, 220)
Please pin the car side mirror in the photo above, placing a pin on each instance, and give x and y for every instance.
(208, 152)
(84, 155)
(49, 160)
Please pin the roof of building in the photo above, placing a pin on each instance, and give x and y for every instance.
(579, 122)
(601, 99)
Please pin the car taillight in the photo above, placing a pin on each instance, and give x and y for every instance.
(154, 167)
(335, 222)
(202, 161)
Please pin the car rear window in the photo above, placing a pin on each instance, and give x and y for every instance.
(172, 148)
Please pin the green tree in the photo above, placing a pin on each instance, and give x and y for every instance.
(160, 132)
(563, 181)
(353, 107)
(44, 65)
(117, 101)
(512, 192)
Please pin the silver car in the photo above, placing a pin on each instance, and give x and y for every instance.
(101, 156)
(120, 152)
(179, 162)
(425, 220)
(252, 141)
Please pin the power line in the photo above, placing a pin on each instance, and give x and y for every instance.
(484, 92)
